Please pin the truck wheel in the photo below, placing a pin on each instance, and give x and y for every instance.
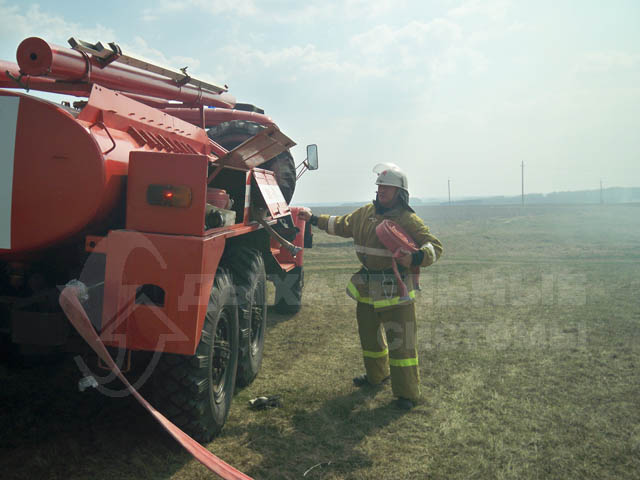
(289, 287)
(195, 392)
(249, 278)
(231, 134)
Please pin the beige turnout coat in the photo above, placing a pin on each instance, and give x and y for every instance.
(375, 283)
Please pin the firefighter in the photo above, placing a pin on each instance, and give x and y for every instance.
(386, 321)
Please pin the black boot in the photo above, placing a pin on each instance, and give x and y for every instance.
(363, 381)
(404, 403)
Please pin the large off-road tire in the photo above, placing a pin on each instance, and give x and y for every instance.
(195, 391)
(289, 287)
(250, 281)
(231, 134)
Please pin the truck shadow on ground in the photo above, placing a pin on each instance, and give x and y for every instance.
(50, 430)
(332, 433)
(274, 318)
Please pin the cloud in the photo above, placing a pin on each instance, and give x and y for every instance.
(493, 9)
(275, 12)
(371, 8)
(425, 49)
(384, 37)
(308, 13)
(438, 46)
(608, 61)
(294, 59)
(17, 24)
(212, 7)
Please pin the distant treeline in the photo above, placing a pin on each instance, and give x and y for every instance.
(607, 195)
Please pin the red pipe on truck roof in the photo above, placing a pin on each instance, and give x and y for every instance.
(10, 77)
(39, 58)
(215, 116)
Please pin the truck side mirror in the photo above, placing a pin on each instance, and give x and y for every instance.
(312, 157)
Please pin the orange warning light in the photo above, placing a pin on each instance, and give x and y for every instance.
(169, 195)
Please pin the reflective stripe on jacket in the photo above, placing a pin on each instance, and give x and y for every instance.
(380, 288)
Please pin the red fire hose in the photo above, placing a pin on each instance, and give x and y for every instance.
(79, 319)
(399, 243)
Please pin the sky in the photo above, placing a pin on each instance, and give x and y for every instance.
(451, 91)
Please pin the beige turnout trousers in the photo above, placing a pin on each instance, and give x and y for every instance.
(388, 339)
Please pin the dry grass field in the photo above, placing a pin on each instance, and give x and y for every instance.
(529, 340)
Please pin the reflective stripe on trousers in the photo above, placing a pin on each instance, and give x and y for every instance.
(352, 291)
(383, 353)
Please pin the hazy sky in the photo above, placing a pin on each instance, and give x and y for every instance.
(464, 90)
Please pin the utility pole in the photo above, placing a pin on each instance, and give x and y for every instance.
(522, 177)
(449, 188)
(601, 197)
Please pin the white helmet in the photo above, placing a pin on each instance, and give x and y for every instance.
(390, 174)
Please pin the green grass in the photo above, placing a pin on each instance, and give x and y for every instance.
(529, 340)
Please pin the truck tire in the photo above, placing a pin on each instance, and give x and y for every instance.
(289, 287)
(195, 391)
(231, 134)
(250, 281)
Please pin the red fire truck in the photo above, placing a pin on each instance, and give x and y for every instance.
(162, 203)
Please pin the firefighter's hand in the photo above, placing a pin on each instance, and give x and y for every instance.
(404, 260)
(304, 214)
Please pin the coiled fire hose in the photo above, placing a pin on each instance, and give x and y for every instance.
(79, 319)
(399, 243)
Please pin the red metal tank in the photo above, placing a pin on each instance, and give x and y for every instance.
(53, 175)
(62, 171)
